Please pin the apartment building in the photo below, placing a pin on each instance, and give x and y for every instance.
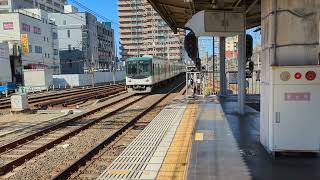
(231, 47)
(78, 46)
(32, 38)
(84, 43)
(106, 46)
(143, 32)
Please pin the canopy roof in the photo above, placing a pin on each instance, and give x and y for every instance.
(177, 12)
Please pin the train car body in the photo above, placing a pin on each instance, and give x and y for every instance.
(144, 73)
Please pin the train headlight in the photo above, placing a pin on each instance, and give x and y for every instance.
(147, 80)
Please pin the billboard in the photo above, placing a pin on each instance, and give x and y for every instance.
(7, 25)
(25, 43)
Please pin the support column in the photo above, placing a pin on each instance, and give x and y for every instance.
(241, 74)
(223, 79)
(213, 67)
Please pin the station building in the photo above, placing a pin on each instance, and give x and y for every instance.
(32, 39)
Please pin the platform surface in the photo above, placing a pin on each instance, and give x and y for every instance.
(218, 145)
(143, 157)
(215, 154)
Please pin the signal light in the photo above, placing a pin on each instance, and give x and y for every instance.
(311, 75)
(285, 76)
(298, 75)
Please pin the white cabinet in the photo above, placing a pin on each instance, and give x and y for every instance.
(293, 121)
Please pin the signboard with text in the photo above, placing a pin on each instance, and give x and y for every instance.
(25, 43)
(7, 25)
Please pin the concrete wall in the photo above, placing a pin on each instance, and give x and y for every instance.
(86, 79)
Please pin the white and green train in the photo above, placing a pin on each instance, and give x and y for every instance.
(144, 73)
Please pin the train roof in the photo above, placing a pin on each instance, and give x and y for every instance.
(139, 59)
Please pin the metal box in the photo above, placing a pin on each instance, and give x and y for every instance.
(290, 113)
(38, 79)
(19, 102)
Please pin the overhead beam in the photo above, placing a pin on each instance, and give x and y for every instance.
(251, 6)
(237, 4)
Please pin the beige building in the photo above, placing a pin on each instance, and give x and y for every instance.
(46, 5)
(143, 32)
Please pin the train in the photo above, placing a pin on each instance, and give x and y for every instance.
(144, 73)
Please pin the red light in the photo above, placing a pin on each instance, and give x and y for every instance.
(311, 75)
(298, 75)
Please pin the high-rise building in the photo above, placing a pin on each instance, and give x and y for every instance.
(47, 5)
(144, 32)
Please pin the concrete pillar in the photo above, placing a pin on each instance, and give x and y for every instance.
(213, 67)
(242, 74)
(290, 36)
(223, 79)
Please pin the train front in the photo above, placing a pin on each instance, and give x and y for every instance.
(139, 74)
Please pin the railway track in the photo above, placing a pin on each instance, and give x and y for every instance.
(68, 97)
(91, 129)
(17, 152)
(99, 162)
(117, 131)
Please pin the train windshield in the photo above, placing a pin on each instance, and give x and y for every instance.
(138, 69)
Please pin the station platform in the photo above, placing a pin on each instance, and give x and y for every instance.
(205, 139)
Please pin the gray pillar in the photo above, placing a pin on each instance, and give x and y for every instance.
(213, 67)
(223, 79)
(241, 73)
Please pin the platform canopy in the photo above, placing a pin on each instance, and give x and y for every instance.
(177, 12)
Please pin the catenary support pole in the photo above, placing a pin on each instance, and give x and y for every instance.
(223, 79)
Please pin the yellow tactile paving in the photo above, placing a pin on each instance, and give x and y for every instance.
(175, 163)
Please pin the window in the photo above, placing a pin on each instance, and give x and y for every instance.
(64, 22)
(36, 30)
(55, 52)
(43, 7)
(25, 27)
(47, 39)
(38, 49)
(54, 35)
(69, 47)
(68, 31)
(3, 2)
(30, 48)
(48, 55)
(44, 38)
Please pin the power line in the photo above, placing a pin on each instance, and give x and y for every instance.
(93, 12)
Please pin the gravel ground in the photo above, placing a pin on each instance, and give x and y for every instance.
(42, 122)
(54, 160)
(59, 158)
(11, 122)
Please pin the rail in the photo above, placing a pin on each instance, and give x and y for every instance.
(82, 161)
(7, 167)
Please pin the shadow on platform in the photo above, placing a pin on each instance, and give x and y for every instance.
(260, 164)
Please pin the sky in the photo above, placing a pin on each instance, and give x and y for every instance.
(109, 9)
